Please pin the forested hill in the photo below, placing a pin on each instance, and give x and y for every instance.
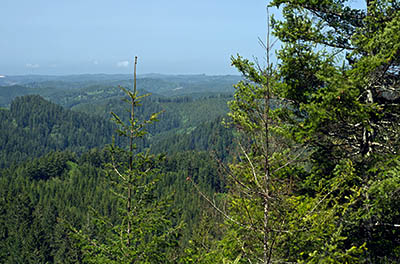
(34, 126)
(313, 177)
(54, 167)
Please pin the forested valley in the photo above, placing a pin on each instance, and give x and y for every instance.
(296, 161)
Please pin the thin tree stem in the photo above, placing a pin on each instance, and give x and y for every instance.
(131, 137)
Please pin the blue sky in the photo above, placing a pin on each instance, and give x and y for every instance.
(103, 36)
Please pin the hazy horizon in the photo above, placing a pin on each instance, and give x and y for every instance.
(127, 74)
(48, 37)
(98, 36)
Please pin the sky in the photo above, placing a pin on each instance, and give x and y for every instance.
(103, 36)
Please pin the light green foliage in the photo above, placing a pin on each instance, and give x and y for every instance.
(262, 179)
(311, 183)
(271, 215)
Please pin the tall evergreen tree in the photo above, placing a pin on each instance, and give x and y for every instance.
(340, 71)
(145, 231)
(336, 90)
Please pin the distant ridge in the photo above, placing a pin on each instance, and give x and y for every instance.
(68, 90)
(161, 75)
(79, 78)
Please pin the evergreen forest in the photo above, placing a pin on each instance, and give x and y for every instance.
(294, 161)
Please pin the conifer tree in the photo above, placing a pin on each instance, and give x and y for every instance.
(336, 94)
(261, 181)
(339, 68)
(145, 231)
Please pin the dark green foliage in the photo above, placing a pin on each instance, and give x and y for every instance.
(314, 177)
(34, 126)
(53, 164)
(145, 230)
(181, 114)
(339, 72)
(199, 167)
(211, 136)
(61, 186)
(317, 178)
(33, 212)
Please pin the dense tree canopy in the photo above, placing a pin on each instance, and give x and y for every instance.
(304, 169)
(310, 172)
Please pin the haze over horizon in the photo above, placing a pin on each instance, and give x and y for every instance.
(100, 36)
(149, 74)
(90, 37)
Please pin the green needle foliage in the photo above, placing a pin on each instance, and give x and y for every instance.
(271, 215)
(318, 140)
(145, 230)
(339, 68)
